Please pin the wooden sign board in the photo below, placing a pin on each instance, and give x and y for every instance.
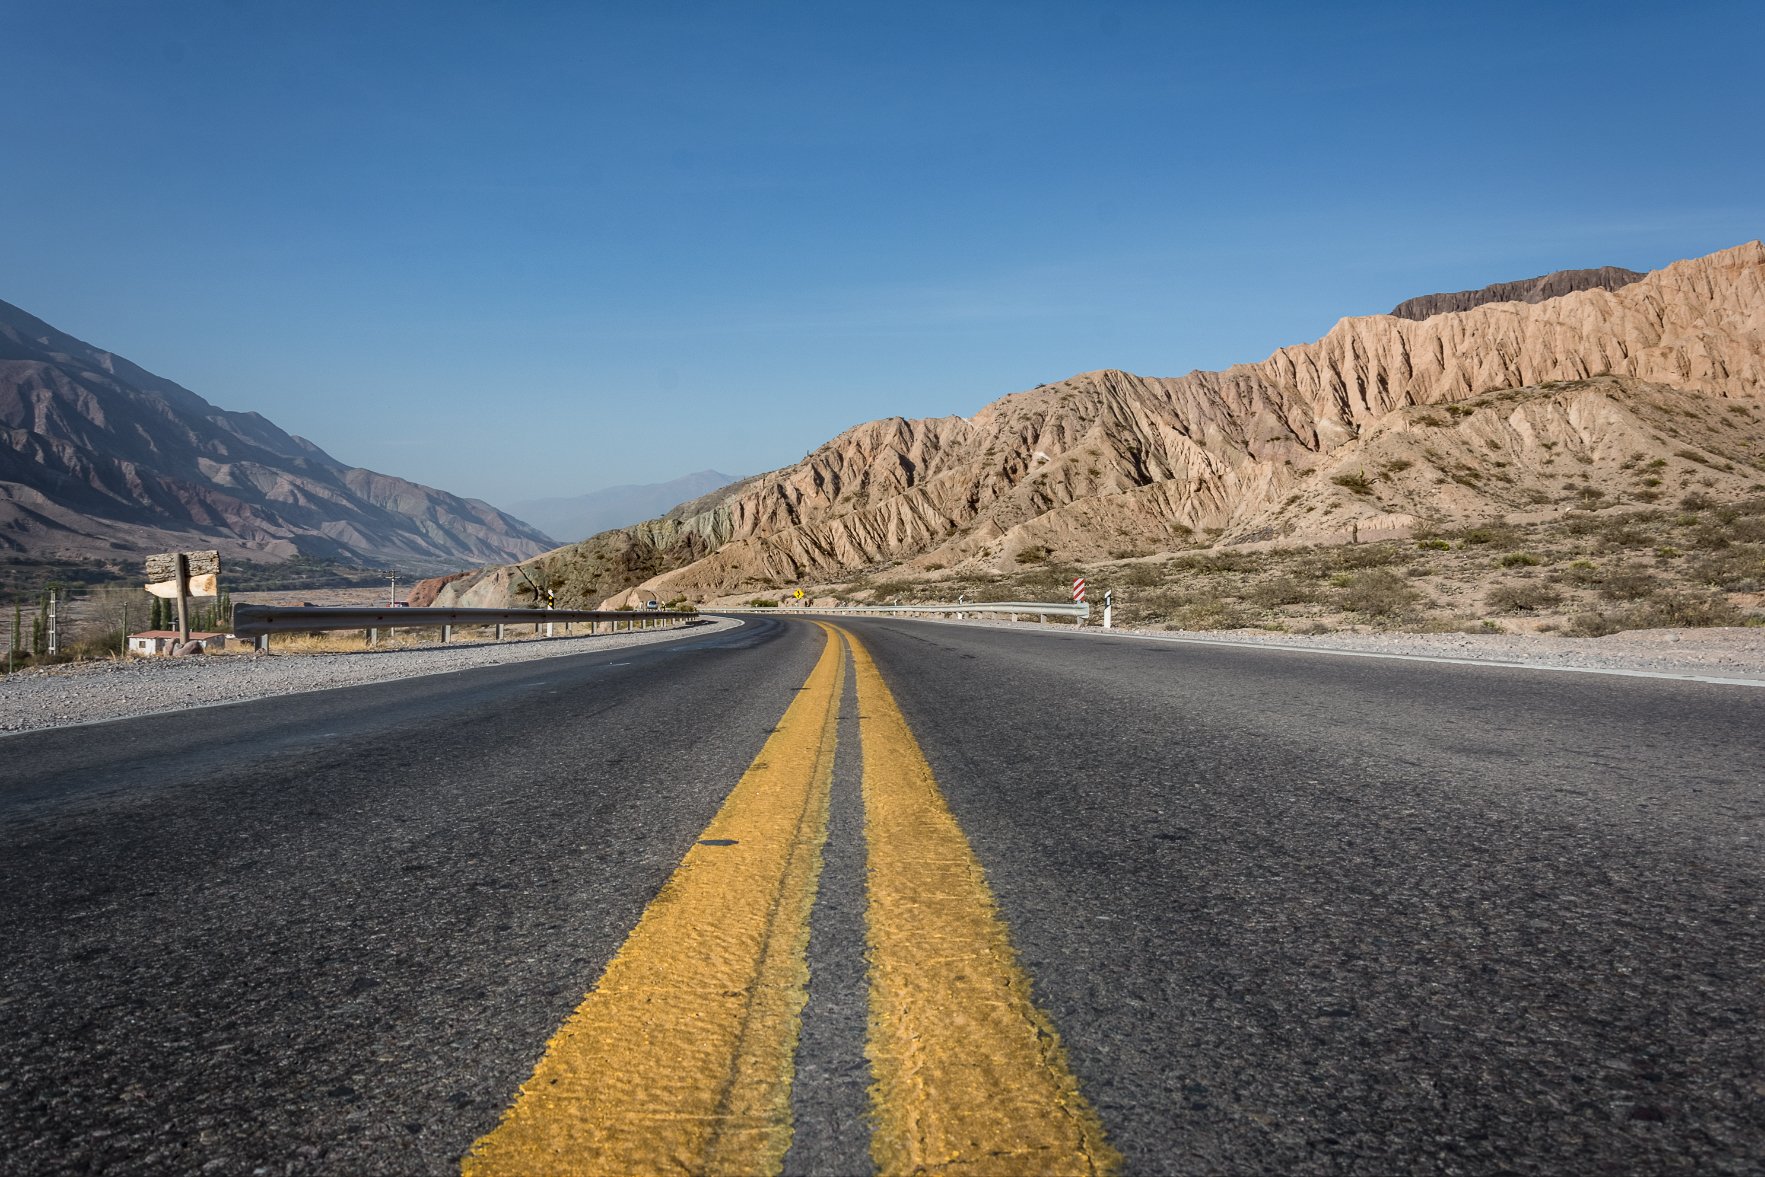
(199, 586)
(164, 566)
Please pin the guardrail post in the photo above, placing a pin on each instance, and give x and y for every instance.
(373, 636)
(499, 632)
(447, 633)
(262, 642)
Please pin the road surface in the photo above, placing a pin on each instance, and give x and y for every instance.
(890, 893)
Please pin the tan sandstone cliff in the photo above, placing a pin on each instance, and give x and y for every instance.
(1320, 441)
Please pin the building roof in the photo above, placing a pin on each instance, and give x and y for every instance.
(195, 635)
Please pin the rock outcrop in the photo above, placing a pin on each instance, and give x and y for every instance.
(1111, 464)
(99, 456)
(1553, 285)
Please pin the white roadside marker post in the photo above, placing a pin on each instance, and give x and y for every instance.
(1108, 608)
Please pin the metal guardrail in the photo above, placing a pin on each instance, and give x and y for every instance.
(1081, 610)
(260, 621)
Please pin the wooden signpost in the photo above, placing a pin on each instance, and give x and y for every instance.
(181, 575)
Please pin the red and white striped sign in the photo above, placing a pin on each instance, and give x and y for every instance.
(1078, 589)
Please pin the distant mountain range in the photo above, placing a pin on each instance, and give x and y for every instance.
(571, 519)
(1470, 406)
(100, 458)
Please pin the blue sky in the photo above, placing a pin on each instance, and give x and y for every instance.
(517, 250)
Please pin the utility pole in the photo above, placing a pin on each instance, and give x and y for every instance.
(391, 588)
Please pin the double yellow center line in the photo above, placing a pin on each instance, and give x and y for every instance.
(681, 1058)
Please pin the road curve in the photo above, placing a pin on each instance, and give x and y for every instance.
(1271, 912)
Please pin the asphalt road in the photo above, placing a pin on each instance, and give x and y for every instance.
(1287, 912)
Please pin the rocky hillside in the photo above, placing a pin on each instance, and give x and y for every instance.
(1531, 290)
(1383, 424)
(99, 456)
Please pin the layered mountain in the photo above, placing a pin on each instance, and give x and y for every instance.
(1384, 423)
(99, 457)
(1553, 285)
(581, 516)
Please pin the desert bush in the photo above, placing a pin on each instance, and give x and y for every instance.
(1592, 625)
(1137, 576)
(1628, 584)
(1580, 572)
(1369, 555)
(1433, 545)
(891, 588)
(1747, 529)
(1709, 537)
(1200, 610)
(1359, 483)
(1283, 590)
(1687, 609)
(1522, 597)
(1379, 592)
(1032, 555)
(1696, 502)
(1214, 563)
(1397, 465)
(1578, 524)
(1625, 537)
(1491, 535)
(1213, 613)
(1738, 569)
(1519, 560)
(756, 603)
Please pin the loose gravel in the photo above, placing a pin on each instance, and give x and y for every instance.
(84, 692)
(1736, 654)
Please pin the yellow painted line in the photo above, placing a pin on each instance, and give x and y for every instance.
(969, 1075)
(680, 1060)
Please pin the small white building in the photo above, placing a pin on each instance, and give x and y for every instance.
(158, 641)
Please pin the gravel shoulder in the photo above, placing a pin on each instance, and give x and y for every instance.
(87, 692)
(1725, 653)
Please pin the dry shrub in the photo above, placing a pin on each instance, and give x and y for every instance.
(1283, 590)
(1378, 555)
(1628, 584)
(1379, 592)
(1522, 597)
(1689, 609)
(1739, 569)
